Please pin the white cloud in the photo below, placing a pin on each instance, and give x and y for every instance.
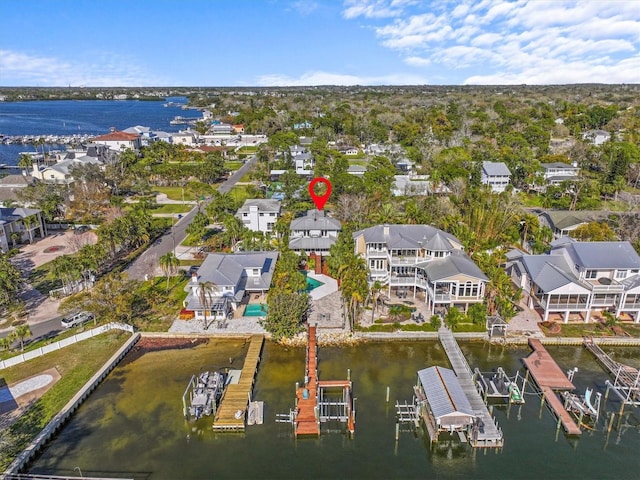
(304, 7)
(375, 8)
(103, 69)
(521, 41)
(328, 78)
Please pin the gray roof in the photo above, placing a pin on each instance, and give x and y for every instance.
(602, 255)
(12, 214)
(311, 243)
(549, 272)
(546, 166)
(16, 180)
(562, 219)
(444, 393)
(631, 282)
(263, 204)
(229, 269)
(455, 264)
(406, 236)
(315, 220)
(496, 169)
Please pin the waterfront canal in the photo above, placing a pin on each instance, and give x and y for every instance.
(132, 425)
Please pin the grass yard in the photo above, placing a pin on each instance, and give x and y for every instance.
(233, 165)
(175, 193)
(171, 208)
(76, 365)
(470, 327)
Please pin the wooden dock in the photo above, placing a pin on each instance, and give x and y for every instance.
(231, 414)
(549, 377)
(307, 421)
(488, 434)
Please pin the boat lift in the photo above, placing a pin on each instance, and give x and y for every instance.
(498, 385)
(583, 405)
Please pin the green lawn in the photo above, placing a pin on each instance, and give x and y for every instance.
(172, 208)
(233, 165)
(470, 327)
(175, 193)
(76, 364)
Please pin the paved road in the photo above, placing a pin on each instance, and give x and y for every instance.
(147, 262)
(48, 328)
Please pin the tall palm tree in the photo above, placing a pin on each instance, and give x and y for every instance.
(168, 264)
(376, 288)
(25, 163)
(29, 222)
(206, 295)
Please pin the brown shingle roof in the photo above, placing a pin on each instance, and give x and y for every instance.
(118, 137)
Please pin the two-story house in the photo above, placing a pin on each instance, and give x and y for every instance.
(497, 175)
(314, 233)
(219, 285)
(557, 172)
(20, 225)
(579, 278)
(424, 261)
(259, 215)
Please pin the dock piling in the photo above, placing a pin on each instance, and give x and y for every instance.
(387, 394)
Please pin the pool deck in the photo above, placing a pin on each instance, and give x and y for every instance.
(329, 285)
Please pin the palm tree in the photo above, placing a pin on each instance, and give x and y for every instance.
(206, 294)
(29, 222)
(25, 163)
(168, 264)
(21, 332)
(376, 288)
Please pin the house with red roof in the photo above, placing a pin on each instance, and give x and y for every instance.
(118, 140)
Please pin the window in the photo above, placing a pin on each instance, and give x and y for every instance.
(245, 214)
(255, 272)
(591, 274)
(262, 214)
(620, 274)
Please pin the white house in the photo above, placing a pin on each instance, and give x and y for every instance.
(557, 172)
(259, 215)
(19, 225)
(597, 137)
(580, 278)
(185, 137)
(221, 282)
(424, 261)
(497, 175)
(314, 233)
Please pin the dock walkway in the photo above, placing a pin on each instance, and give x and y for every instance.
(624, 374)
(233, 406)
(306, 422)
(489, 435)
(549, 377)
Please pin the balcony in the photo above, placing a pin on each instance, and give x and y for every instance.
(403, 280)
(564, 306)
(605, 285)
(405, 260)
(376, 252)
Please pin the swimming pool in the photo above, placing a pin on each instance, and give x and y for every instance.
(311, 282)
(255, 310)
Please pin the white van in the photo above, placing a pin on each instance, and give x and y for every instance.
(77, 319)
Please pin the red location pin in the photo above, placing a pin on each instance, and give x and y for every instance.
(319, 200)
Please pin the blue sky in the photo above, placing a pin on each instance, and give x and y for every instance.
(317, 42)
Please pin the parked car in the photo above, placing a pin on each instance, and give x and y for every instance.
(77, 319)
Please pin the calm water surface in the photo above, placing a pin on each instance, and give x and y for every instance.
(71, 117)
(133, 426)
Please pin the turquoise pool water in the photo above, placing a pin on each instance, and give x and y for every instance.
(255, 310)
(311, 283)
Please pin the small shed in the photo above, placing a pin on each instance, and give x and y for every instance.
(447, 403)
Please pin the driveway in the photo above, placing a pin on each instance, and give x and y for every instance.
(40, 307)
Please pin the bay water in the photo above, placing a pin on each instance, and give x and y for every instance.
(79, 117)
(132, 426)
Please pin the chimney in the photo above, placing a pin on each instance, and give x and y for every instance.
(385, 230)
(194, 277)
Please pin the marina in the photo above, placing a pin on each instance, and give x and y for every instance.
(131, 425)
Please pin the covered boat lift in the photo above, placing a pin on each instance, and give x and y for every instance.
(442, 403)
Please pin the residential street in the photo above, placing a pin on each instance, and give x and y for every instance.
(147, 262)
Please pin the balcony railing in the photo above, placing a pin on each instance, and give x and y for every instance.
(613, 288)
(564, 306)
(405, 260)
(377, 252)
